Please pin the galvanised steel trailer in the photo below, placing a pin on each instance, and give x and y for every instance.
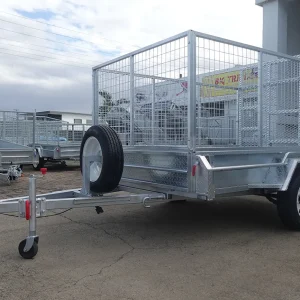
(57, 141)
(15, 154)
(52, 140)
(193, 116)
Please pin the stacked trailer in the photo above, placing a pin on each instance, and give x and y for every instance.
(56, 141)
(45, 139)
(14, 150)
(155, 134)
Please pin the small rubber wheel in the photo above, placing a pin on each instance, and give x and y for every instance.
(288, 205)
(32, 251)
(103, 141)
(40, 162)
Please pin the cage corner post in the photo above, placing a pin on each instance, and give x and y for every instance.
(95, 98)
(192, 61)
(132, 100)
(260, 100)
(34, 129)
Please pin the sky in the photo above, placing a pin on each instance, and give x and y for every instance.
(48, 47)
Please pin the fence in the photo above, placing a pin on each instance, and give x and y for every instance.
(196, 90)
(28, 129)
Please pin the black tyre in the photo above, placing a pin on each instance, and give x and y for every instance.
(32, 251)
(40, 162)
(103, 141)
(288, 205)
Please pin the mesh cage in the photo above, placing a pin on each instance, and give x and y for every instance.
(158, 98)
(16, 127)
(280, 101)
(24, 128)
(227, 79)
(233, 95)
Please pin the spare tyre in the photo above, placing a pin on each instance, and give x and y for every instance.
(103, 141)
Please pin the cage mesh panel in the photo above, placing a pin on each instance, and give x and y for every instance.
(17, 127)
(280, 101)
(159, 96)
(243, 98)
(227, 79)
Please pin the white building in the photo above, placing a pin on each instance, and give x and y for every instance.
(281, 25)
(70, 117)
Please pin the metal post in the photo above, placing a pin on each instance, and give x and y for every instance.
(192, 61)
(32, 199)
(153, 112)
(132, 100)
(191, 89)
(237, 120)
(17, 128)
(298, 67)
(86, 166)
(46, 131)
(165, 125)
(239, 107)
(198, 117)
(73, 134)
(57, 127)
(32, 221)
(260, 99)
(86, 175)
(298, 64)
(95, 98)
(33, 129)
(4, 125)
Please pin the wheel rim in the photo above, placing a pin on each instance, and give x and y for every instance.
(92, 148)
(298, 202)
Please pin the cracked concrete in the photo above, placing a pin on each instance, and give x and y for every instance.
(109, 234)
(228, 249)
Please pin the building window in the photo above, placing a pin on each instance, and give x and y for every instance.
(89, 122)
(77, 121)
(215, 109)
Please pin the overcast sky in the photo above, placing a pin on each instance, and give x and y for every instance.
(45, 71)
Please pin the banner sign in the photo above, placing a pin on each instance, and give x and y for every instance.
(215, 85)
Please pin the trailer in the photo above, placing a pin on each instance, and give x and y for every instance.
(53, 141)
(57, 141)
(191, 117)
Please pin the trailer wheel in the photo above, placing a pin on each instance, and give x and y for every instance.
(288, 205)
(32, 251)
(105, 175)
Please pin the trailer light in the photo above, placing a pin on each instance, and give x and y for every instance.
(194, 168)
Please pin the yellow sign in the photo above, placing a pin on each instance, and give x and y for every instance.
(227, 83)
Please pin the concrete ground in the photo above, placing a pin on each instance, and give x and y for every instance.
(228, 249)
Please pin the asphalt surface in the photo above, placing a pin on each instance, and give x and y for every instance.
(233, 248)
